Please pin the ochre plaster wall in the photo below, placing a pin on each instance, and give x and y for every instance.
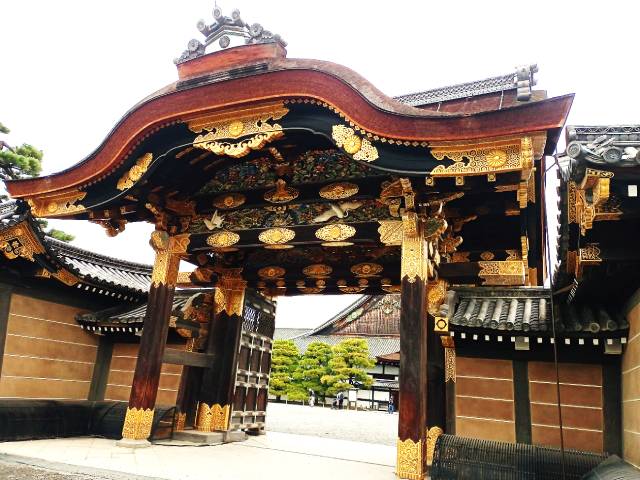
(631, 388)
(581, 395)
(484, 399)
(123, 364)
(47, 354)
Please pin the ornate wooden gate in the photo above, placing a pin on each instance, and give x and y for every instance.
(254, 364)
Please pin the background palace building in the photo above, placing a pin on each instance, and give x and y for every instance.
(277, 176)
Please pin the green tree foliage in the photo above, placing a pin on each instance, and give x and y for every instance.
(284, 360)
(55, 233)
(313, 365)
(348, 366)
(20, 162)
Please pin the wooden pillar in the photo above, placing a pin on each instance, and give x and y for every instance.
(522, 401)
(144, 389)
(449, 383)
(101, 367)
(411, 462)
(218, 383)
(5, 304)
(612, 405)
(187, 398)
(436, 398)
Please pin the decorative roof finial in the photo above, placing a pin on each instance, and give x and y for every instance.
(227, 31)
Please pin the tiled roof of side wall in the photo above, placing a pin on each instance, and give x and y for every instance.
(461, 90)
(92, 268)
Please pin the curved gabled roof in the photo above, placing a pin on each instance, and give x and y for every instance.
(243, 75)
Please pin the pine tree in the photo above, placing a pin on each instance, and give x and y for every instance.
(348, 366)
(313, 365)
(23, 162)
(284, 360)
(19, 162)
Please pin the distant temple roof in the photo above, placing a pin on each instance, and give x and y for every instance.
(378, 346)
(21, 236)
(289, 333)
(373, 318)
(369, 315)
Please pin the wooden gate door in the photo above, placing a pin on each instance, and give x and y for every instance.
(254, 364)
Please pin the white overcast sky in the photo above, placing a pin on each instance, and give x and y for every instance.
(71, 69)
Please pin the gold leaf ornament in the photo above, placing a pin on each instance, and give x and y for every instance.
(256, 124)
(271, 272)
(223, 239)
(276, 238)
(496, 158)
(360, 148)
(137, 423)
(339, 191)
(282, 193)
(365, 270)
(135, 173)
(317, 270)
(229, 200)
(335, 233)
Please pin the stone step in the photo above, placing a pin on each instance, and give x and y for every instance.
(203, 438)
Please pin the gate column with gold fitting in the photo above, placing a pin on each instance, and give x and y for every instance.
(411, 461)
(144, 389)
(436, 391)
(218, 382)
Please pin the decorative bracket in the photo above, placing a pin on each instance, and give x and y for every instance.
(221, 130)
(587, 200)
(19, 241)
(487, 158)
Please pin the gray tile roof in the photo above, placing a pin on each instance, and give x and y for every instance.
(391, 384)
(91, 268)
(377, 345)
(527, 311)
(102, 269)
(128, 315)
(605, 145)
(500, 83)
(341, 314)
(289, 333)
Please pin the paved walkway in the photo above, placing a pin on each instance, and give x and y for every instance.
(359, 426)
(275, 455)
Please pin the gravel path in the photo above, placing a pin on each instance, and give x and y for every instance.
(23, 468)
(359, 426)
(12, 471)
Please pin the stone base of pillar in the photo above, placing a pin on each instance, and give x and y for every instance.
(234, 436)
(203, 438)
(128, 443)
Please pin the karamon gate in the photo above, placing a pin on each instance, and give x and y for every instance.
(291, 177)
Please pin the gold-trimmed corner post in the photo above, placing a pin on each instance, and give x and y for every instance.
(218, 382)
(144, 389)
(411, 460)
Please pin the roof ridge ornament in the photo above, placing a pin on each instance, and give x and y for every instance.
(227, 31)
